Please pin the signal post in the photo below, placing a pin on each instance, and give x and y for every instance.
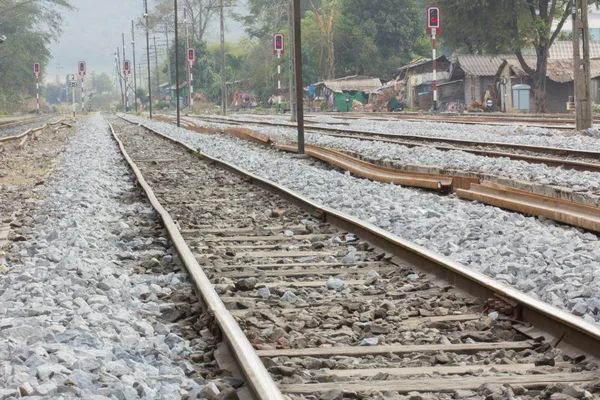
(279, 50)
(191, 57)
(126, 71)
(81, 70)
(36, 71)
(434, 27)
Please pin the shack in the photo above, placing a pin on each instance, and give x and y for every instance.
(559, 84)
(340, 94)
(418, 80)
(477, 72)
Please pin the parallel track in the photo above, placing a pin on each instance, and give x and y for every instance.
(247, 233)
(576, 159)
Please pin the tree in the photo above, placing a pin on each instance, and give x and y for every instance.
(104, 83)
(30, 27)
(393, 25)
(489, 25)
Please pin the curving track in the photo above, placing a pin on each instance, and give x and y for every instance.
(336, 307)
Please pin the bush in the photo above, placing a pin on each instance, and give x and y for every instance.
(161, 105)
(595, 108)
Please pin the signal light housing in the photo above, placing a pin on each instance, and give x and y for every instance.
(278, 44)
(81, 68)
(191, 55)
(36, 68)
(434, 20)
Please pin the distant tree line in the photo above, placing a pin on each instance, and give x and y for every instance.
(30, 27)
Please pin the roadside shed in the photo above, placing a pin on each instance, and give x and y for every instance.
(478, 73)
(341, 93)
(559, 83)
(418, 80)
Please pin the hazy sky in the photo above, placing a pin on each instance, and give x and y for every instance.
(93, 32)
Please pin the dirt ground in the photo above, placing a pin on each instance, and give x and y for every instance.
(23, 168)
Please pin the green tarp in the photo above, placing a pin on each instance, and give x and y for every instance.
(340, 100)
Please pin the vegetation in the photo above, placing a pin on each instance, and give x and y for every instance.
(503, 26)
(30, 27)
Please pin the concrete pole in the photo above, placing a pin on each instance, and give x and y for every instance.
(223, 65)
(291, 58)
(148, 57)
(169, 66)
(134, 71)
(298, 61)
(177, 67)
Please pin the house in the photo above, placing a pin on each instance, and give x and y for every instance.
(418, 81)
(477, 72)
(341, 93)
(517, 89)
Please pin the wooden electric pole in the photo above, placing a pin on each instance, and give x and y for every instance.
(581, 67)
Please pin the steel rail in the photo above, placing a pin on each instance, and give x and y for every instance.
(570, 329)
(393, 138)
(14, 123)
(259, 380)
(28, 132)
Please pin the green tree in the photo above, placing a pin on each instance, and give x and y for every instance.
(30, 27)
(495, 25)
(104, 83)
(393, 25)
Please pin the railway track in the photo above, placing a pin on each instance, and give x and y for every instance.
(336, 308)
(4, 125)
(575, 159)
(548, 121)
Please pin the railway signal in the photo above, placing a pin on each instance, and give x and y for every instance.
(191, 58)
(81, 69)
(278, 50)
(434, 27)
(278, 44)
(36, 72)
(126, 71)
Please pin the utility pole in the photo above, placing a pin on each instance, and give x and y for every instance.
(189, 66)
(298, 61)
(134, 72)
(291, 60)
(125, 75)
(148, 57)
(582, 73)
(156, 65)
(177, 67)
(223, 65)
(169, 66)
(119, 74)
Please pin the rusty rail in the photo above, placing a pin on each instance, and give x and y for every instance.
(565, 211)
(25, 135)
(442, 183)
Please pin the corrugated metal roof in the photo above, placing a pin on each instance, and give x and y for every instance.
(560, 71)
(422, 61)
(351, 83)
(481, 64)
(563, 49)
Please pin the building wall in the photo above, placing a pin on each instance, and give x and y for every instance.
(454, 92)
(557, 95)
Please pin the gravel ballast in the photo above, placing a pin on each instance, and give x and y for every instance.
(509, 133)
(584, 182)
(93, 304)
(557, 264)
